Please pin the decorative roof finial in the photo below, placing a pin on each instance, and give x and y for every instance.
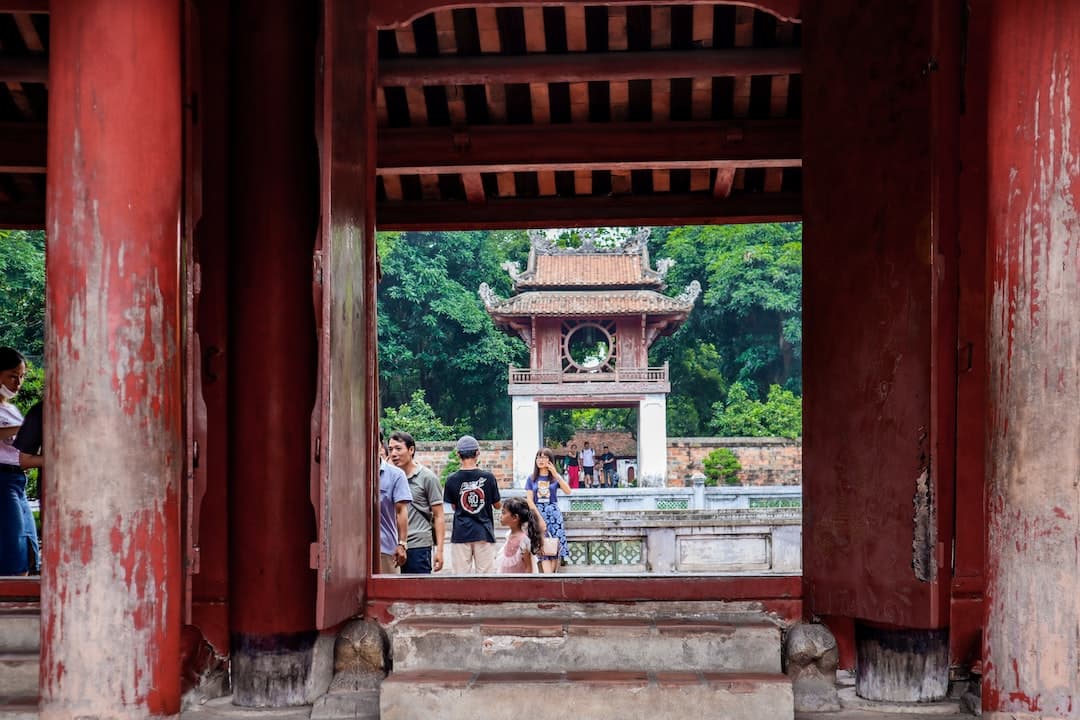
(690, 294)
(488, 296)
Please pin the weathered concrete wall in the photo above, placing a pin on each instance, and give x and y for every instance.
(765, 461)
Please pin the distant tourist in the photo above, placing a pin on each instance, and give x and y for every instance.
(588, 465)
(523, 541)
(573, 467)
(609, 467)
(18, 532)
(542, 492)
(394, 501)
(474, 494)
(427, 526)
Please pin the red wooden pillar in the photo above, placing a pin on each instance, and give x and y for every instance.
(272, 348)
(1032, 647)
(110, 596)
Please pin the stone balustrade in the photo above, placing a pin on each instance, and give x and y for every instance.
(699, 530)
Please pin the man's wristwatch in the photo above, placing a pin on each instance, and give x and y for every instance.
(403, 545)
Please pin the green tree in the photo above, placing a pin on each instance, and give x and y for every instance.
(721, 466)
(738, 415)
(418, 419)
(682, 417)
(615, 419)
(434, 332)
(782, 413)
(559, 425)
(741, 416)
(22, 291)
(750, 311)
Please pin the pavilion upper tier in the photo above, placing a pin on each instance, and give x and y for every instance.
(590, 281)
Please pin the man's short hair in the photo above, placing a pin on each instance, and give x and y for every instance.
(403, 437)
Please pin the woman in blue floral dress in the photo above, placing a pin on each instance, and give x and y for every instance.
(542, 492)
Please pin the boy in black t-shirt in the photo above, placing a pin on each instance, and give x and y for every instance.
(474, 495)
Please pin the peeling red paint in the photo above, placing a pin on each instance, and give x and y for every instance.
(110, 589)
(1021, 699)
(1034, 340)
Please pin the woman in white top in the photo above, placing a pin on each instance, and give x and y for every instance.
(18, 533)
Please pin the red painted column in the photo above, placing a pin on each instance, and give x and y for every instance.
(274, 215)
(1031, 642)
(110, 599)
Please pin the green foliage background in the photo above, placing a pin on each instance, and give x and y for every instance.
(736, 364)
(22, 291)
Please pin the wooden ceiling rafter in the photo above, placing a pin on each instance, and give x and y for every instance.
(514, 213)
(22, 147)
(405, 11)
(24, 69)
(39, 7)
(622, 146)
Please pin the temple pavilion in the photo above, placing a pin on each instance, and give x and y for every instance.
(589, 315)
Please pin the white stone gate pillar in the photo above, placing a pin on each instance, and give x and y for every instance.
(526, 418)
(652, 441)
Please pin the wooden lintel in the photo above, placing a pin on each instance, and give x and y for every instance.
(22, 148)
(725, 176)
(24, 6)
(693, 209)
(21, 217)
(583, 67)
(613, 146)
(27, 69)
(397, 13)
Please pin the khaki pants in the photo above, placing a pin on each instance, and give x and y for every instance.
(474, 557)
(386, 564)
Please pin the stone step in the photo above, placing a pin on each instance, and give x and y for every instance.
(568, 643)
(18, 675)
(18, 708)
(595, 695)
(20, 630)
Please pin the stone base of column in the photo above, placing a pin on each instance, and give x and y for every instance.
(271, 670)
(898, 665)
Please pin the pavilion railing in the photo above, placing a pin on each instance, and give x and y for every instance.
(534, 376)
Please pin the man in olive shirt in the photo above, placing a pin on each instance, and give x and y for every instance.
(427, 525)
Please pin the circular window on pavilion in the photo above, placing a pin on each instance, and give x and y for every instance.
(588, 347)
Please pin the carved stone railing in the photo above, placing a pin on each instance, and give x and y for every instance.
(534, 376)
(759, 541)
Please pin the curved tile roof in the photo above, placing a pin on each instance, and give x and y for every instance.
(578, 304)
(601, 270)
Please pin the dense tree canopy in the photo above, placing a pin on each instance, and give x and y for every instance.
(434, 333)
(22, 291)
(747, 327)
(735, 364)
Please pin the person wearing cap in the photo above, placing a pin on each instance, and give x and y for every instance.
(474, 495)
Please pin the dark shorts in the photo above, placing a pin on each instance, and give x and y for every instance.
(417, 561)
(588, 470)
